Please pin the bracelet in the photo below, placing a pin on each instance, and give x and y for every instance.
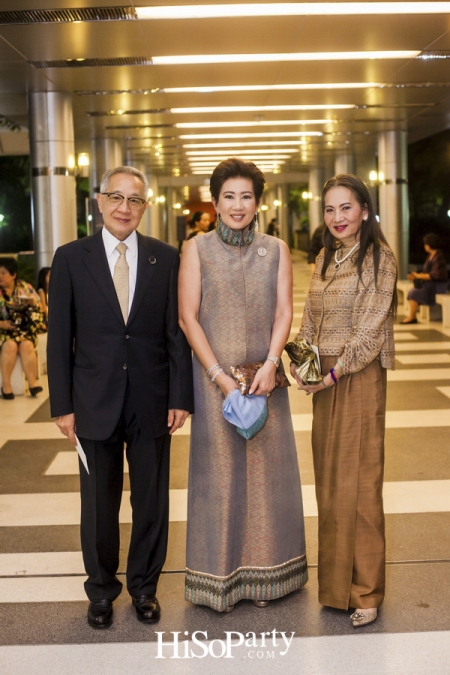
(340, 363)
(216, 374)
(209, 371)
(333, 376)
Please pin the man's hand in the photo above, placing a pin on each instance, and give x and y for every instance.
(176, 419)
(66, 425)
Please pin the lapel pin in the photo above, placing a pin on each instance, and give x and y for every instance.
(262, 251)
(152, 260)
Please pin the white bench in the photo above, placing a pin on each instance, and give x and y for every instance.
(41, 350)
(404, 286)
(19, 384)
(443, 299)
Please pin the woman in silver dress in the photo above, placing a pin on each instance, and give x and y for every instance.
(245, 535)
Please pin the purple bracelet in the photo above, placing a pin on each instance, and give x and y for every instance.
(333, 376)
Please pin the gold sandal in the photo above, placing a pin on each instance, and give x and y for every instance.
(362, 616)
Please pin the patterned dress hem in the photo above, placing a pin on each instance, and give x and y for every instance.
(246, 584)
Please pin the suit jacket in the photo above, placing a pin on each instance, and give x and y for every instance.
(92, 354)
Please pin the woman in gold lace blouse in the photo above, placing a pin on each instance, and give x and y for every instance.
(349, 314)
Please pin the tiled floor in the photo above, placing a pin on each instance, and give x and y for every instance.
(42, 602)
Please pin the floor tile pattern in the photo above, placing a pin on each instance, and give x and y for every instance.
(42, 602)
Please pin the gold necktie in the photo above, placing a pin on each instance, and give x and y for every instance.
(121, 280)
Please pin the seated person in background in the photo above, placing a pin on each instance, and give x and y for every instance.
(43, 282)
(21, 319)
(432, 280)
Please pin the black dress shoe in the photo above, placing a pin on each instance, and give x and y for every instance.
(100, 613)
(35, 390)
(147, 608)
(7, 397)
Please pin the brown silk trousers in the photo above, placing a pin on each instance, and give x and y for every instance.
(348, 452)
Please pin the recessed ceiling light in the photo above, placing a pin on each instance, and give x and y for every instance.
(258, 135)
(242, 144)
(192, 153)
(259, 123)
(262, 108)
(196, 59)
(290, 9)
(270, 87)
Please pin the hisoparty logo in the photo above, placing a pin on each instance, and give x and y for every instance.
(179, 645)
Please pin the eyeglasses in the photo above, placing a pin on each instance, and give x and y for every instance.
(116, 199)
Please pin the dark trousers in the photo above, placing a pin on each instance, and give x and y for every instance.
(101, 494)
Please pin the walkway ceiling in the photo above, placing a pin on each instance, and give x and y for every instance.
(90, 48)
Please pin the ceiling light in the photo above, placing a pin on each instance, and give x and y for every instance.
(270, 87)
(220, 158)
(258, 108)
(283, 134)
(290, 9)
(241, 144)
(253, 151)
(259, 123)
(196, 59)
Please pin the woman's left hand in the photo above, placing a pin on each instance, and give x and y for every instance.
(264, 381)
(309, 388)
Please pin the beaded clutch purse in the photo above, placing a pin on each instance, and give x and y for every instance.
(244, 374)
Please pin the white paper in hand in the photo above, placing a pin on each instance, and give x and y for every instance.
(81, 453)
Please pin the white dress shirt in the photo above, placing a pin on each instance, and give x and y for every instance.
(110, 242)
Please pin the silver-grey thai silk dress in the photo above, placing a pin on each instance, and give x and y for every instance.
(245, 531)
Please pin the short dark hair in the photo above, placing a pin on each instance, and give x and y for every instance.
(432, 240)
(196, 218)
(10, 264)
(236, 168)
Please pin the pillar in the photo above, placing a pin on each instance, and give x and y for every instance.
(344, 163)
(282, 213)
(52, 154)
(172, 198)
(393, 194)
(315, 185)
(106, 153)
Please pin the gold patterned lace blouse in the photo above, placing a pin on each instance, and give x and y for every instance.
(349, 317)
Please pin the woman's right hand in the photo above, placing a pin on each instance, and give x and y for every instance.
(7, 325)
(226, 384)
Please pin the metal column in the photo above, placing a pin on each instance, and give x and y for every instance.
(393, 194)
(52, 152)
(315, 185)
(344, 164)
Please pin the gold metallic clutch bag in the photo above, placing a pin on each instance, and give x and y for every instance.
(302, 353)
(244, 374)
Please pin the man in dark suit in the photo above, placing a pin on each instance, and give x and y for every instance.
(119, 372)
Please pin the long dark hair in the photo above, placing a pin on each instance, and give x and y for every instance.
(370, 233)
(42, 278)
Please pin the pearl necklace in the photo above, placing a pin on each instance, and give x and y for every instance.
(339, 262)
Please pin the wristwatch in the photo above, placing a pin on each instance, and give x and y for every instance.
(274, 360)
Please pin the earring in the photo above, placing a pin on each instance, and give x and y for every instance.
(256, 222)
